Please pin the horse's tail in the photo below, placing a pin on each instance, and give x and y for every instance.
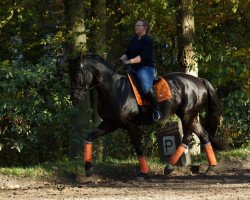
(213, 115)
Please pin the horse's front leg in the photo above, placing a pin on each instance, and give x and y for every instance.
(102, 129)
(135, 136)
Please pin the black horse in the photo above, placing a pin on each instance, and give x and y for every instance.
(118, 108)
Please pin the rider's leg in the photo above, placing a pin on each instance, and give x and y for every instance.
(146, 76)
(157, 115)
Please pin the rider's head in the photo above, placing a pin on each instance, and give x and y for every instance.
(141, 27)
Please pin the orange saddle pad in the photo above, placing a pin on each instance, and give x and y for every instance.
(162, 91)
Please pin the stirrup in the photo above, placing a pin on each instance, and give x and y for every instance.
(157, 115)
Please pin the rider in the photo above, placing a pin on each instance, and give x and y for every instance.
(139, 55)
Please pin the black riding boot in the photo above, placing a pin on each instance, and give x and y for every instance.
(157, 115)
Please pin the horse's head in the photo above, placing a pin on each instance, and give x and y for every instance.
(81, 77)
(87, 72)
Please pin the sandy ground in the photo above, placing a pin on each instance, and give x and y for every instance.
(230, 181)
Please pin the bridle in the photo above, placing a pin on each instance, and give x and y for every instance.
(85, 90)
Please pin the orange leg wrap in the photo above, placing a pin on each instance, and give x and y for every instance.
(88, 152)
(210, 155)
(143, 164)
(175, 157)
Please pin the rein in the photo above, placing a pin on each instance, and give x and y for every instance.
(86, 90)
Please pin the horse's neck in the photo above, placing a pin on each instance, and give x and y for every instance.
(111, 85)
(103, 70)
(108, 79)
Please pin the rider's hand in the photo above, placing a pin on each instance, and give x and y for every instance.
(122, 66)
(126, 62)
(122, 63)
(119, 62)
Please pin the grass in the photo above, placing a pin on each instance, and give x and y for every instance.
(109, 167)
(224, 156)
(22, 172)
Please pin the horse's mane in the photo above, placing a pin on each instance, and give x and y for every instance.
(100, 59)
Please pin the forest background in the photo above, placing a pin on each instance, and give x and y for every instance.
(37, 120)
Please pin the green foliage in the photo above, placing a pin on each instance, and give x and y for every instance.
(24, 26)
(34, 98)
(34, 112)
(119, 146)
(237, 118)
(223, 53)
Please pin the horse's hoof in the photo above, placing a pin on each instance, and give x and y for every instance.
(89, 169)
(89, 172)
(142, 176)
(210, 170)
(168, 169)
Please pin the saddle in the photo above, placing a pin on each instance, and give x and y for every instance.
(161, 87)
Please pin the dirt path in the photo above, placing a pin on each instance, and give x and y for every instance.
(229, 182)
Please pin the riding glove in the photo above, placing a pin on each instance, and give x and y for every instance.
(126, 62)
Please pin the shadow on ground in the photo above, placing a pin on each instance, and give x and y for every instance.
(120, 175)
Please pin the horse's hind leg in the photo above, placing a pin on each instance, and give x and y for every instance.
(102, 129)
(135, 136)
(203, 136)
(190, 125)
(187, 136)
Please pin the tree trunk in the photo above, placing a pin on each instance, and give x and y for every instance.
(186, 54)
(185, 37)
(74, 18)
(97, 27)
(113, 31)
(80, 121)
